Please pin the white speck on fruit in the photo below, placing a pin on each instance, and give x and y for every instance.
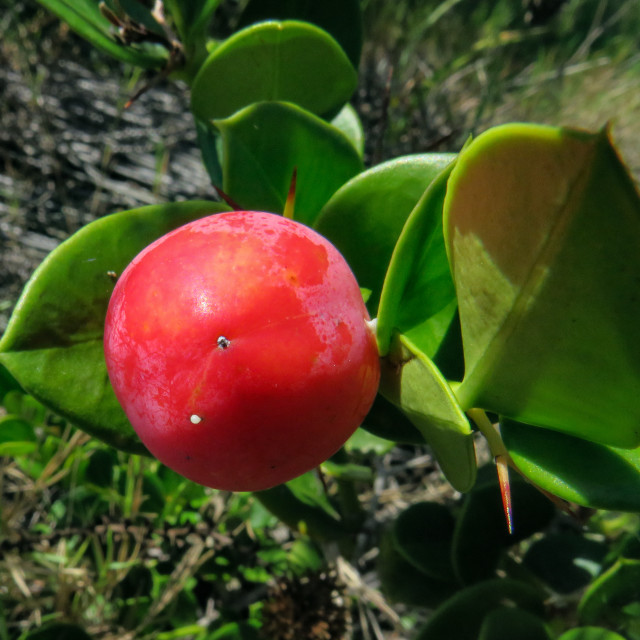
(223, 342)
(195, 419)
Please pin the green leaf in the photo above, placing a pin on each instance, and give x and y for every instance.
(507, 623)
(84, 17)
(364, 442)
(543, 228)
(565, 561)
(365, 217)
(605, 598)
(303, 506)
(590, 633)
(286, 61)
(235, 631)
(423, 534)
(574, 469)
(481, 533)
(411, 381)
(53, 344)
(402, 581)
(463, 615)
(385, 420)
(341, 18)
(263, 145)
(348, 121)
(418, 297)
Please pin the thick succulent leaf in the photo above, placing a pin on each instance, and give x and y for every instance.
(509, 623)
(463, 615)
(302, 504)
(565, 561)
(365, 217)
(84, 17)
(348, 121)
(235, 631)
(286, 61)
(363, 442)
(590, 633)
(605, 598)
(481, 533)
(422, 534)
(385, 420)
(418, 297)
(583, 472)
(53, 344)
(543, 229)
(341, 18)
(263, 144)
(402, 581)
(411, 381)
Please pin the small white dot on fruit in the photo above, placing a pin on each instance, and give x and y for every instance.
(223, 342)
(195, 419)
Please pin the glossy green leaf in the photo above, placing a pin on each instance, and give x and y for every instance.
(341, 18)
(385, 420)
(463, 615)
(590, 633)
(411, 381)
(286, 61)
(565, 561)
(508, 623)
(53, 344)
(365, 217)
(418, 298)
(363, 442)
(403, 582)
(481, 533)
(422, 534)
(235, 631)
(348, 121)
(84, 17)
(543, 228)
(605, 598)
(574, 469)
(302, 505)
(264, 143)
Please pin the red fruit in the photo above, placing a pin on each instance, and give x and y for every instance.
(239, 348)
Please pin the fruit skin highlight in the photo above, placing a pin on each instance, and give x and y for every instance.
(239, 348)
